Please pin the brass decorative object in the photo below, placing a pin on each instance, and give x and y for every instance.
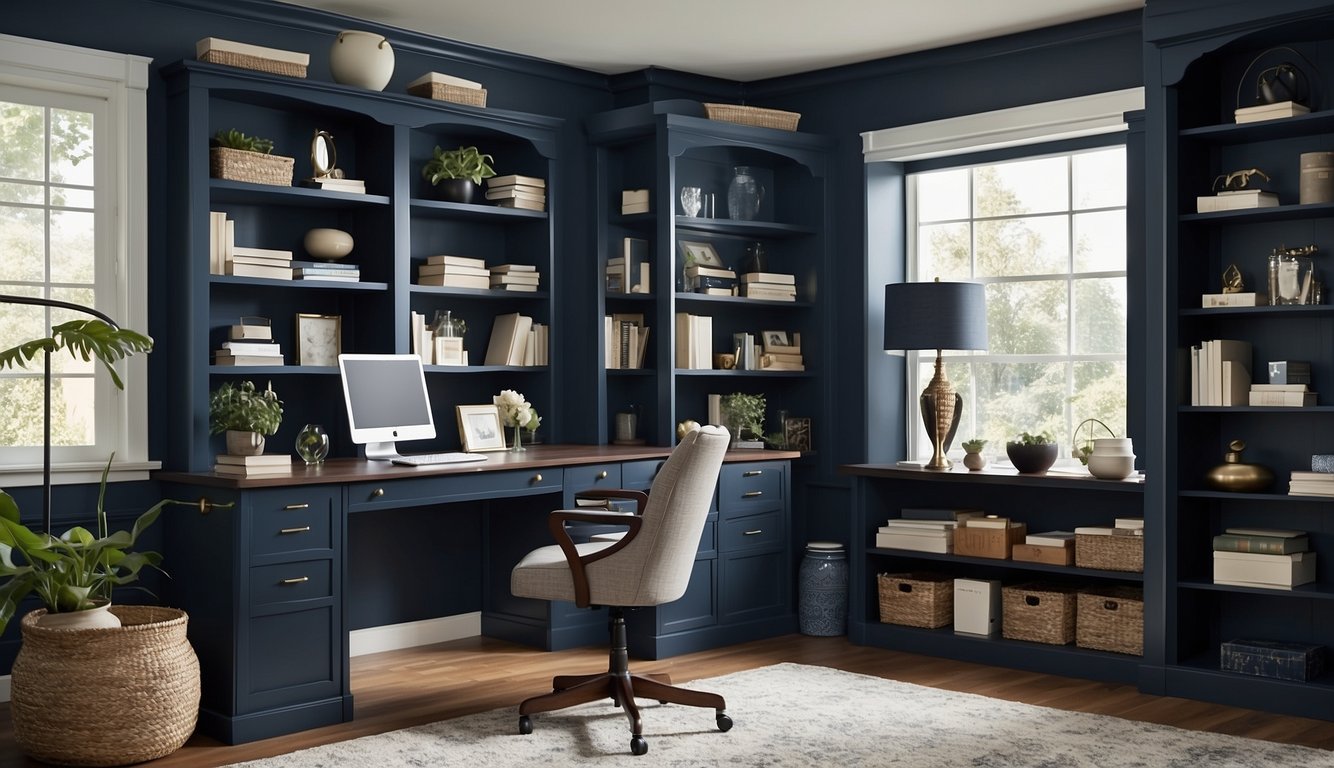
(1236, 476)
(1232, 282)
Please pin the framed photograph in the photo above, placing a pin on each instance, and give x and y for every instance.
(696, 252)
(797, 434)
(775, 339)
(319, 339)
(479, 428)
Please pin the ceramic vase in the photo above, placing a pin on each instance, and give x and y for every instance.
(1112, 458)
(361, 58)
(822, 583)
(1031, 459)
(974, 461)
(455, 190)
(244, 443)
(99, 617)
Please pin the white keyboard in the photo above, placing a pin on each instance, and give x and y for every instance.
(421, 459)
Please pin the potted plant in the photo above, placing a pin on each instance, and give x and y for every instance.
(743, 415)
(456, 173)
(972, 454)
(246, 414)
(1032, 454)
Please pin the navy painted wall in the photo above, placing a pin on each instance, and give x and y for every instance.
(1099, 55)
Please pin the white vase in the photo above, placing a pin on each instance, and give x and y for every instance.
(1113, 458)
(244, 443)
(974, 461)
(100, 617)
(362, 58)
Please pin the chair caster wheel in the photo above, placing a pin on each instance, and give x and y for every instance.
(638, 746)
(525, 725)
(724, 722)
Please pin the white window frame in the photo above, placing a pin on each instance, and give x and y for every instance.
(119, 84)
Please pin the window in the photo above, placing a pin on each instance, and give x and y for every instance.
(1046, 235)
(72, 227)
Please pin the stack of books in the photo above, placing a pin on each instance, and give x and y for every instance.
(778, 356)
(1268, 558)
(633, 262)
(1311, 483)
(515, 277)
(1238, 299)
(924, 530)
(454, 272)
(634, 201)
(1289, 395)
(253, 466)
(515, 191)
(1236, 200)
(1270, 111)
(258, 262)
(325, 270)
(625, 340)
(336, 184)
(773, 286)
(249, 342)
(711, 281)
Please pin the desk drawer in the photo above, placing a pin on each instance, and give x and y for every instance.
(638, 475)
(442, 489)
(290, 582)
(287, 520)
(590, 477)
(750, 485)
(763, 530)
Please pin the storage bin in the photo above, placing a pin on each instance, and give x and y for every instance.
(1038, 613)
(1109, 553)
(1036, 553)
(253, 167)
(756, 116)
(916, 599)
(1111, 619)
(994, 543)
(1269, 658)
(454, 93)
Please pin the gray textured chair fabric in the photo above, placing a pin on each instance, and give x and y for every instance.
(654, 568)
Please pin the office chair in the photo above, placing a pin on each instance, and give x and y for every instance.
(649, 565)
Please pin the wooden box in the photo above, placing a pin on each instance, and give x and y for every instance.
(1038, 613)
(1109, 553)
(1034, 553)
(988, 542)
(1111, 619)
(916, 599)
(1267, 658)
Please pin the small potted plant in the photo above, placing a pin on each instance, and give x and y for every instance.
(972, 454)
(743, 415)
(456, 173)
(1032, 454)
(245, 414)
(236, 156)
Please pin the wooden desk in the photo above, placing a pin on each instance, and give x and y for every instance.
(265, 580)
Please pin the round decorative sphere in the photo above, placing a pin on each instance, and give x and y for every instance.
(362, 58)
(1031, 459)
(325, 243)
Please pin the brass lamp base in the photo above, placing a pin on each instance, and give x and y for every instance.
(941, 407)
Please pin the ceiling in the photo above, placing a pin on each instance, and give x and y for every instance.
(740, 40)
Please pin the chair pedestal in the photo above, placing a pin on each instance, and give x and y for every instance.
(621, 686)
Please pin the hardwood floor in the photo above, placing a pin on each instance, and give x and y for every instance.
(420, 685)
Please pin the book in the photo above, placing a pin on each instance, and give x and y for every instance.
(246, 471)
(1309, 488)
(217, 246)
(260, 460)
(355, 186)
(1279, 387)
(337, 266)
(1319, 477)
(1272, 545)
(915, 543)
(1094, 530)
(768, 277)
(269, 348)
(1051, 539)
(756, 291)
(1242, 299)
(459, 261)
(1269, 111)
(455, 281)
(1285, 399)
(1129, 522)
(226, 358)
(530, 205)
(1231, 201)
(259, 270)
(1282, 533)
(699, 270)
(263, 253)
(508, 336)
(520, 287)
(517, 278)
(336, 278)
(935, 533)
(507, 268)
(514, 178)
(452, 269)
(1260, 570)
(926, 525)
(518, 193)
(431, 78)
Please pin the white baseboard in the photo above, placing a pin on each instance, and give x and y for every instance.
(393, 637)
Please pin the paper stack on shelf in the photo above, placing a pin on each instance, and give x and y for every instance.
(634, 201)
(515, 277)
(325, 270)
(249, 342)
(773, 286)
(1270, 111)
(454, 272)
(515, 191)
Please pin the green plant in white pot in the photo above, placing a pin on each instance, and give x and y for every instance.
(246, 414)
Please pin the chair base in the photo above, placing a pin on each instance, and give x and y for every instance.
(621, 686)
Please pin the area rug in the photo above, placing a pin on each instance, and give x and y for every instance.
(797, 715)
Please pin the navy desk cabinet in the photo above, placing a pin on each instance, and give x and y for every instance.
(265, 579)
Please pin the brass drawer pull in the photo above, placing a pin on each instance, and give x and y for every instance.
(602, 475)
(537, 478)
(377, 493)
(302, 529)
(751, 494)
(297, 506)
(755, 532)
(297, 580)
(752, 473)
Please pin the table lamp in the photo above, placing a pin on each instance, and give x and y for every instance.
(937, 316)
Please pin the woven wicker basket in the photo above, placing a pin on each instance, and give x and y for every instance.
(1110, 553)
(254, 167)
(1038, 613)
(455, 93)
(916, 599)
(245, 61)
(105, 696)
(1111, 619)
(756, 116)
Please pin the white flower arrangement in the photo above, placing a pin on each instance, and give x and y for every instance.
(514, 410)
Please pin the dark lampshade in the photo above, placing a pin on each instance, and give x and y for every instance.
(935, 316)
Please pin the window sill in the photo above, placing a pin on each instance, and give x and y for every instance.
(15, 476)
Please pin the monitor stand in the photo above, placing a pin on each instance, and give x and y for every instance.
(386, 451)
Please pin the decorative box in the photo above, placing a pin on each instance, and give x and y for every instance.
(1289, 372)
(977, 607)
(1111, 619)
(1109, 553)
(1268, 658)
(916, 599)
(1035, 553)
(1038, 613)
(994, 543)
(1322, 462)
(440, 87)
(215, 50)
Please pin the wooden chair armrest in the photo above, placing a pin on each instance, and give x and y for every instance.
(639, 497)
(556, 525)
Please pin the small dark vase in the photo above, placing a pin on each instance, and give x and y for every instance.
(1031, 459)
(455, 190)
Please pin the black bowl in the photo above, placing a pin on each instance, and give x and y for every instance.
(1031, 459)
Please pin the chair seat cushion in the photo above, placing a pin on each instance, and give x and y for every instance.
(544, 573)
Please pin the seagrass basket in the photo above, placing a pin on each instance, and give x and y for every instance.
(756, 116)
(455, 93)
(253, 167)
(1109, 553)
(1111, 619)
(246, 61)
(1038, 613)
(916, 599)
(105, 696)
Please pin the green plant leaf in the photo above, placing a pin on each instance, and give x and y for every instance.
(85, 340)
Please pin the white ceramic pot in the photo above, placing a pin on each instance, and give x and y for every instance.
(244, 443)
(974, 461)
(328, 244)
(1112, 458)
(100, 617)
(362, 58)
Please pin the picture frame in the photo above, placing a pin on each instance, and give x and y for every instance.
(774, 339)
(797, 433)
(319, 339)
(700, 253)
(479, 428)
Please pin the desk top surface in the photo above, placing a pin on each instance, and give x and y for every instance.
(535, 457)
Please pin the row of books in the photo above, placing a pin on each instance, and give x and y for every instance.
(1266, 558)
(923, 529)
(694, 341)
(249, 342)
(1220, 372)
(515, 191)
(631, 271)
(625, 340)
(469, 272)
(634, 201)
(228, 258)
(517, 340)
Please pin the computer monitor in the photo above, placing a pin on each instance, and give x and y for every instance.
(386, 402)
